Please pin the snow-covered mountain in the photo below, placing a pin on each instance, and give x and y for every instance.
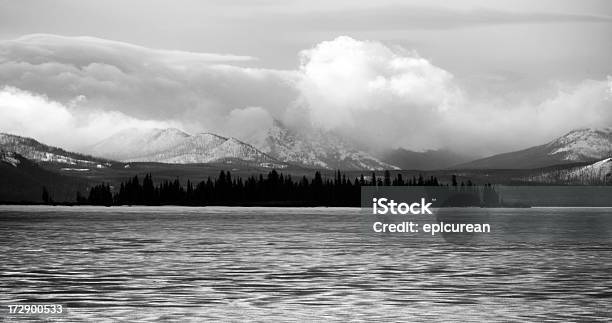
(138, 143)
(41, 153)
(598, 173)
(581, 145)
(317, 149)
(281, 147)
(177, 147)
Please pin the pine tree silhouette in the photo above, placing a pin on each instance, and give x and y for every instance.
(273, 188)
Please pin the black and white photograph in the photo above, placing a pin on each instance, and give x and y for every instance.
(305, 161)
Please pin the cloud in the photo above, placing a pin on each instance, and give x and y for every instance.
(249, 124)
(390, 97)
(345, 80)
(145, 83)
(389, 17)
(74, 91)
(51, 122)
(488, 127)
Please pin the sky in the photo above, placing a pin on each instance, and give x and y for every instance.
(477, 76)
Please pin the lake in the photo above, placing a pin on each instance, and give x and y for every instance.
(223, 263)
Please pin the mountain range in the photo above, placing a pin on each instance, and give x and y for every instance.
(177, 147)
(582, 156)
(283, 147)
(326, 150)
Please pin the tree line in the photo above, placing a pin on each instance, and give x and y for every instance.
(273, 189)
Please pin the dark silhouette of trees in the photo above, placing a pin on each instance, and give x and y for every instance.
(100, 195)
(45, 195)
(273, 189)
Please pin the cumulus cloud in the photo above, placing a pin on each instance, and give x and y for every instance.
(390, 97)
(366, 89)
(380, 96)
(344, 76)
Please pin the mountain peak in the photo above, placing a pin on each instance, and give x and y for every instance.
(317, 149)
(173, 131)
(137, 142)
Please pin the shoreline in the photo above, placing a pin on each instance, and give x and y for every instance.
(76, 206)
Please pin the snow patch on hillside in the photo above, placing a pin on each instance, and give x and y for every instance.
(583, 145)
(598, 173)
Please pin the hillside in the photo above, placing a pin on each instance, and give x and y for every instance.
(582, 145)
(22, 180)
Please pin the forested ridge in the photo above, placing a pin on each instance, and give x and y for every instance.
(274, 189)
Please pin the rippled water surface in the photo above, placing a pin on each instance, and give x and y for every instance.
(172, 263)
